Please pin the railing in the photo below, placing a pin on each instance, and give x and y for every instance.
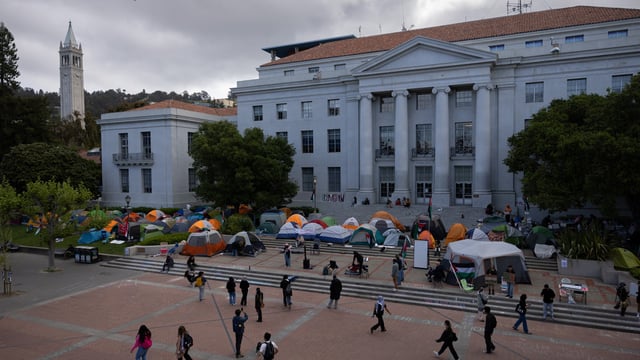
(463, 151)
(386, 152)
(423, 152)
(133, 159)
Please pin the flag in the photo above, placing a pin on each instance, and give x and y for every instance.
(429, 209)
(313, 195)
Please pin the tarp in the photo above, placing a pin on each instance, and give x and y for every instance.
(207, 243)
(624, 259)
(503, 254)
(457, 232)
(351, 223)
(89, 237)
(247, 244)
(366, 234)
(335, 234)
(288, 231)
(385, 215)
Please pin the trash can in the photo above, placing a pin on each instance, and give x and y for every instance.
(86, 254)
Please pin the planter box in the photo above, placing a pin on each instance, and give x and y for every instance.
(579, 267)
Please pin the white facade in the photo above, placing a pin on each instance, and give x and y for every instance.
(429, 118)
(71, 78)
(145, 153)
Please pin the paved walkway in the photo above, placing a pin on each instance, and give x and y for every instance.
(89, 311)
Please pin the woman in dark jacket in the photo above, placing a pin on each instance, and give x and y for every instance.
(447, 338)
(521, 309)
(231, 289)
(334, 292)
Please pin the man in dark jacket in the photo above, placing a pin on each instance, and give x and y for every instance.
(334, 292)
(490, 324)
(238, 329)
(244, 287)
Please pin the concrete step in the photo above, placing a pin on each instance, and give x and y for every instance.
(570, 314)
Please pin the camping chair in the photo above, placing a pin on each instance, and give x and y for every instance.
(465, 286)
(316, 247)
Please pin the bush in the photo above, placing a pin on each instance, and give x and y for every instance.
(635, 272)
(168, 238)
(588, 244)
(236, 223)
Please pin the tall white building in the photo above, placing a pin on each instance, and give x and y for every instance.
(145, 153)
(426, 113)
(71, 78)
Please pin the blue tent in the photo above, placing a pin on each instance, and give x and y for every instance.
(93, 236)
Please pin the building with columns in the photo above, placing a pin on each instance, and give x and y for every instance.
(425, 114)
(71, 78)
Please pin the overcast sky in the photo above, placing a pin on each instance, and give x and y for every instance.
(194, 45)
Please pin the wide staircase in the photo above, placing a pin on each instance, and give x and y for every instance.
(570, 314)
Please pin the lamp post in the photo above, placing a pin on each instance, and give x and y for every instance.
(128, 200)
(315, 195)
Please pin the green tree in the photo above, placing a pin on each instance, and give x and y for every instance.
(235, 169)
(39, 161)
(8, 62)
(581, 150)
(53, 201)
(9, 205)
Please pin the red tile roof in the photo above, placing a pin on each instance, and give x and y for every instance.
(175, 104)
(479, 29)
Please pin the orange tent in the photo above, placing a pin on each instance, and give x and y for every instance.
(131, 217)
(215, 224)
(200, 225)
(456, 232)
(154, 215)
(425, 235)
(385, 215)
(297, 219)
(206, 243)
(244, 209)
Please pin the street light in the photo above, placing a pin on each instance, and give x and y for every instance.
(315, 195)
(128, 200)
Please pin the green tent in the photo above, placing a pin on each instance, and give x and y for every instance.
(624, 259)
(330, 221)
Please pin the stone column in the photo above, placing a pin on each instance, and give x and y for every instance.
(366, 149)
(482, 141)
(441, 183)
(401, 159)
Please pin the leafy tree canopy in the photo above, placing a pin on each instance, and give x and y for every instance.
(582, 149)
(39, 161)
(8, 62)
(53, 202)
(234, 169)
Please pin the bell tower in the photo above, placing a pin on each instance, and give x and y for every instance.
(71, 78)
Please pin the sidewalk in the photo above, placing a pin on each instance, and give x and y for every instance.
(93, 312)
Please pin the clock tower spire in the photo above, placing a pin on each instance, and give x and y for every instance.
(71, 78)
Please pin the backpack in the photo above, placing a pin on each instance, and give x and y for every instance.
(288, 289)
(187, 341)
(198, 282)
(269, 351)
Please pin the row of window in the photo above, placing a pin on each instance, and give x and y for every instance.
(534, 91)
(147, 183)
(567, 40)
(145, 140)
(315, 69)
(306, 110)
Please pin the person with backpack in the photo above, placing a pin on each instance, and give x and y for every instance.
(378, 311)
(238, 328)
(143, 342)
(521, 309)
(622, 295)
(447, 338)
(199, 282)
(268, 349)
(490, 323)
(184, 343)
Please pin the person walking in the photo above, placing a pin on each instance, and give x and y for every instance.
(401, 268)
(183, 344)
(231, 289)
(244, 288)
(447, 338)
(268, 349)
(521, 309)
(482, 300)
(334, 292)
(259, 303)
(622, 295)
(490, 324)
(143, 342)
(200, 282)
(509, 277)
(238, 328)
(287, 255)
(378, 311)
(287, 291)
(547, 302)
(394, 274)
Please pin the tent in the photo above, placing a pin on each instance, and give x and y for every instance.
(329, 220)
(456, 232)
(435, 226)
(624, 259)
(506, 233)
(490, 222)
(382, 224)
(200, 225)
(311, 230)
(425, 235)
(477, 234)
(319, 222)
(247, 244)
(207, 243)
(385, 215)
(215, 224)
(298, 219)
(275, 217)
(351, 224)
(541, 241)
(288, 231)
(131, 217)
(366, 234)
(474, 256)
(154, 215)
(395, 237)
(92, 236)
(267, 228)
(335, 234)
(180, 227)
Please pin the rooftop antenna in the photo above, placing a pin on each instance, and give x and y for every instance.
(404, 28)
(518, 7)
